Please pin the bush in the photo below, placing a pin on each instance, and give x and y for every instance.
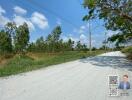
(128, 52)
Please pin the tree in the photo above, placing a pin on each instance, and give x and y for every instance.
(5, 42)
(118, 39)
(32, 47)
(117, 14)
(84, 47)
(53, 38)
(94, 48)
(78, 46)
(10, 27)
(56, 34)
(21, 38)
(70, 44)
(81, 47)
(102, 47)
(40, 44)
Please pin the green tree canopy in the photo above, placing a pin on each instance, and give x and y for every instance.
(53, 38)
(21, 38)
(5, 42)
(117, 14)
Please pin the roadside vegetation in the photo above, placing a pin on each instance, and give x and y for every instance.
(31, 61)
(128, 52)
(18, 54)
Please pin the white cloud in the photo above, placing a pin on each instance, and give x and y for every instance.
(36, 18)
(19, 10)
(65, 38)
(83, 27)
(40, 20)
(3, 19)
(110, 33)
(19, 20)
(82, 31)
(82, 36)
(83, 39)
(74, 39)
(2, 10)
(58, 21)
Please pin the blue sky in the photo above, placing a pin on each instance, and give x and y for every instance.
(43, 15)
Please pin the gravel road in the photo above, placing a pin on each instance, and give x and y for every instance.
(83, 79)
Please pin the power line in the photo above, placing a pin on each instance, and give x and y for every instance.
(52, 12)
(55, 14)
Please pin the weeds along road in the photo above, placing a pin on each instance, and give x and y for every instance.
(84, 79)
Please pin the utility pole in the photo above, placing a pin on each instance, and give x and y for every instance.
(90, 37)
(105, 41)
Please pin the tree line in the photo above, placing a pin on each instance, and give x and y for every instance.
(53, 43)
(15, 39)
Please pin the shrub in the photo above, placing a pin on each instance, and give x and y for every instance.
(127, 50)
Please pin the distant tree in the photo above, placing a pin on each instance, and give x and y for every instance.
(49, 42)
(78, 46)
(81, 47)
(94, 48)
(84, 47)
(5, 42)
(56, 34)
(103, 47)
(53, 38)
(40, 44)
(32, 47)
(60, 46)
(10, 27)
(70, 44)
(49, 38)
(22, 38)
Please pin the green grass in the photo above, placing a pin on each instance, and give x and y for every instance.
(33, 61)
(128, 52)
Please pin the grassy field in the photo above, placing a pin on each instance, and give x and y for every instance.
(32, 61)
(128, 52)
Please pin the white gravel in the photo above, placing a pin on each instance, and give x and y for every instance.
(84, 79)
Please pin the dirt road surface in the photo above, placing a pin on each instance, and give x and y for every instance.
(83, 79)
